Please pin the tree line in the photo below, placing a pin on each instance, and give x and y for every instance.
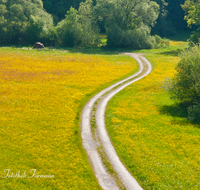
(128, 23)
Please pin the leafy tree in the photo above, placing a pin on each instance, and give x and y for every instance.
(79, 27)
(126, 19)
(192, 11)
(20, 19)
(68, 29)
(192, 14)
(170, 18)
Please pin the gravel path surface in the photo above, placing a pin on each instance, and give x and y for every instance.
(93, 141)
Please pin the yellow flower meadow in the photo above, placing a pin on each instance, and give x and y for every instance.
(178, 43)
(150, 133)
(40, 95)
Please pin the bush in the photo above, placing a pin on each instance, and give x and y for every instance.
(186, 83)
(136, 39)
(195, 38)
(185, 86)
(160, 42)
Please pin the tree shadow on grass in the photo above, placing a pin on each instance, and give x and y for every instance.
(103, 50)
(180, 114)
(175, 52)
(175, 110)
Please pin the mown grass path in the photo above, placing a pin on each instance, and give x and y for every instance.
(93, 141)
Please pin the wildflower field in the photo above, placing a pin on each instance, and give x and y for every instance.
(150, 132)
(41, 96)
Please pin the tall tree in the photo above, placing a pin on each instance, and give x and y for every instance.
(192, 11)
(19, 17)
(192, 15)
(79, 27)
(127, 19)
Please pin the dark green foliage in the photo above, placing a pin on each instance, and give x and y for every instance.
(34, 29)
(23, 21)
(194, 111)
(185, 86)
(78, 28)
(69, 30)
(192, 14)
(176, 14)
(59, 8)
(160, 42)
(136, 39)
(128, 22)
(26, 21)
(195, 37)
(171, 18)
(163, 26)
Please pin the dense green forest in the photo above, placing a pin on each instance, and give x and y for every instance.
(127, 23)
(170, 19)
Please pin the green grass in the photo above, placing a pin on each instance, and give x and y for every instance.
(40, 112)
(150, 132)
(155, 141)
(103, 38)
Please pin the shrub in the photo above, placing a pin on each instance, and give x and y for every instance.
(136, 39)
(195, 37)
(185, 86)
(160, 42)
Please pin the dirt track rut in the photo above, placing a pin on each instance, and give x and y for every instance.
(92, 142)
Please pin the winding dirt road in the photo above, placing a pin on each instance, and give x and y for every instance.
(93, 140)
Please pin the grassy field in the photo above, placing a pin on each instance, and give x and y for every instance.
(150, 132)
(41, 96)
